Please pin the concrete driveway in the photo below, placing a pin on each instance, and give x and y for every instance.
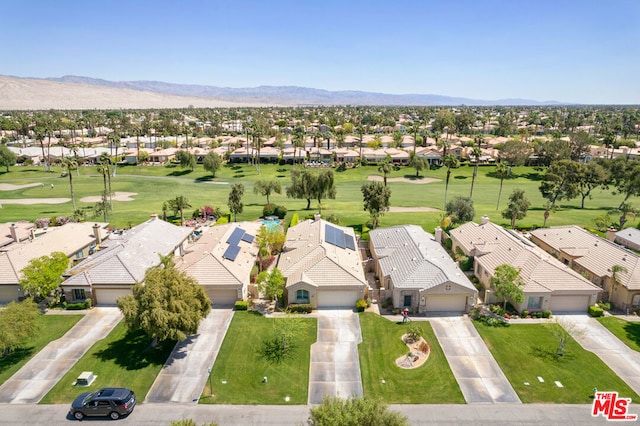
(594, 337)
(335, 368)
(480, 378)
(32, 382)
(185, 373)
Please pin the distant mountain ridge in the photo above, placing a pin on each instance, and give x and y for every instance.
(292, 95)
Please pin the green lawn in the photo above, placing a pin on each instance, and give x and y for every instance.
(239, 364)
(627, 331)
(124, 358)
(155, 184)
(431, 383)
(52, 327)
(526, 352)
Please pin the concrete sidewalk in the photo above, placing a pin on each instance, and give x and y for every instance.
(335, 367)
(184, 375)
(480, 378)
(594, 337)
(32, 382)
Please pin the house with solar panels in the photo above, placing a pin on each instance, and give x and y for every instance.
(221, 261)
(417, 273)
(322, 265)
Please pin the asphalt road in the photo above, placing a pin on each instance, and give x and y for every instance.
(163, 414)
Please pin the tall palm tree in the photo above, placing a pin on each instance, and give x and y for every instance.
(70, 164)
(105, 169)
(475, 151)
(450, 162)
(385, 168)
(179, 204)
(502, 169)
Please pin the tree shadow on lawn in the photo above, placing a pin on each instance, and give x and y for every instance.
(207, 178)
(179, 173)
(633, 332)
(551, 354)
(134, 351)
(15, 357)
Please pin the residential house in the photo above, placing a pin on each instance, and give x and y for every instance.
(416, 272)
(322, 265)
(628, 237)
(75, 240)
(549, 283)
(595, 258)
(221, 260)
(122, 261)
(161, 156)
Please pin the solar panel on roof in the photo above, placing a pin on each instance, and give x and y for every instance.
(349, 242)
(248, 238)
(236, 236)
(334, 236)
(232, 252)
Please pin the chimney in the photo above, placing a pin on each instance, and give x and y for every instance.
(96, 233)
(154, 216)
(484, 220)
(439, 235)
(14, 232)
(316, 217)
(611, 233)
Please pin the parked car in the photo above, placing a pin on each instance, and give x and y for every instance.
(112, 402)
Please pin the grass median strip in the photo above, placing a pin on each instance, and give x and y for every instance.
(527, 351)
(627, 331)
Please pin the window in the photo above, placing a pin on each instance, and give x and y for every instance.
(388, 283)
(407, 300)
(636, 300)
(534, 303)
(78, 294)
(302, 296)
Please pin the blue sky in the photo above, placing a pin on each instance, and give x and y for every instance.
(584, 51)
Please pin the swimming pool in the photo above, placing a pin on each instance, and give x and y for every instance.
(272, 223)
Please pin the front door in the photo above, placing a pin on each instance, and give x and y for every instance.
(407, 300)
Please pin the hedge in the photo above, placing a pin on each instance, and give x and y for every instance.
(596, 311)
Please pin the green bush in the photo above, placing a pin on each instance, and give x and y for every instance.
(492, 322)
(546, 314)
(606, 306)
(466, 263)
(281, 211)
(361, 305)
(303, 308)
(294, 220)
(448, 243)
(524, 314)
(78, 306)
(596, 311)
(222, 219)
(241, 305)
(274, 210)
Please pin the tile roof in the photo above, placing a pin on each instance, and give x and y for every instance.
(593, 252)
(629, 234)
(413, 258)
(497, 246)
(309, 258)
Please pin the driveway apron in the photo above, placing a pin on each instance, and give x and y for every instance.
(594, 337)
(335, 368)
(185, 373)
(32, 382)
(480, 378)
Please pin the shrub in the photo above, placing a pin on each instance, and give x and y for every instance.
(268, 209)
(606, 306)
(342, 166)
(596, 311)
(475, 313)
(546, 314)
(43, 222)
(241, 305)
(492, 322)
(525, 313)
(222, 219)
(78, 306)
(294, 220)
(466, 263)
(361, 305)
(280, 211)
(414, 332)
(448, 243)
(303, 308)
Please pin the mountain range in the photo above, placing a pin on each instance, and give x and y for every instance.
(77, 92)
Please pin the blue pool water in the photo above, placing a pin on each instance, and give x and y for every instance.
(272, 223)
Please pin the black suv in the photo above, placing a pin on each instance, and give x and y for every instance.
(112, 402)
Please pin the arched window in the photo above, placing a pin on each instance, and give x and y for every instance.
(302, 296)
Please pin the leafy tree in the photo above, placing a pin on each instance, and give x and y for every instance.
(178, 204)
(266, 187)
(561, 181)
(580, 143)
(507, 284)
(514, 152)
(168, 305)
(553, 150)
(43, 275)
(235, 200)
(592, 176)
(625, 177)
(517, 207)
(7, 157)
(186, 159)
(271, 284)
(281, 344)
(376, 198)
(460, 210)
(450, 162)
(354, 412)
(308, 185)
(625, 210)
(212, 163)
(18, 323)
(502, 170)
(417, 163)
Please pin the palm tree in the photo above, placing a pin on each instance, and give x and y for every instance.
(385, 168)
(70, 164)
(297, 139)
(105, 169)
(502, 169)
(475, 151)
(450, 162)
(178, 204)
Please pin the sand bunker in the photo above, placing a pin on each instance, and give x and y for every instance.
(117, 196)
(36, 201)
(402, 179)
(412, 209)
(11, 187)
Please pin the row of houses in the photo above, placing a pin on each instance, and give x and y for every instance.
(565, 269)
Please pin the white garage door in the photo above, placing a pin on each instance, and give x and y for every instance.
(109, 297)
(337, 298)
(222, 297)
(446, 303)
(8, 293)
(569, 303)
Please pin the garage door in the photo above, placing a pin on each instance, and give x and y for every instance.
(109, 297)
(8, 293)
(569, 303)
(337, 298)
(446, 303)
(222, 297)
